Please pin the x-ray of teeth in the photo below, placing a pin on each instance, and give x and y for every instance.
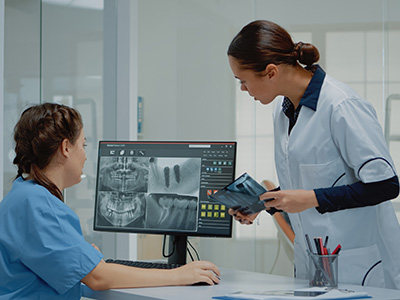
(177, 173)
(124, 174)
(174, 175)
(166, 176)
(122, 209)
(175, 212)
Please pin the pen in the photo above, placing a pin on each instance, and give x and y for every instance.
(337, 249)
(325, 261)
(309, 244)
(317, 246)
(321, 246)
(326, 241)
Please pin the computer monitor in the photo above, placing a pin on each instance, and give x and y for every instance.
(162, 188)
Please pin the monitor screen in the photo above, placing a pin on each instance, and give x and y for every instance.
(163, 187)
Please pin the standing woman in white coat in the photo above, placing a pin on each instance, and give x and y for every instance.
(334, 168)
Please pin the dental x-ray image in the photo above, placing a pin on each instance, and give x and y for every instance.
(174, 175)
(168, 211)
(121, 209)
(122, 182)
(243, 193)
(123, 174)
(142, 192)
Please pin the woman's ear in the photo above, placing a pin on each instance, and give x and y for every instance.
(271, 70)
(65, 150)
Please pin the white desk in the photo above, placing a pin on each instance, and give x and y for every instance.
(231, 281)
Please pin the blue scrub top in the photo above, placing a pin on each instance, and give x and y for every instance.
(43, 254)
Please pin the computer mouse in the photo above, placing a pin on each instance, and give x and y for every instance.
(200, 283)
(205, 283)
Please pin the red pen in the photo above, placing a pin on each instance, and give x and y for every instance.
(337, 249)
(321, 246)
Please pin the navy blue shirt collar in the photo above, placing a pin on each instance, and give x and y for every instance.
(309, 98)
(311, 95)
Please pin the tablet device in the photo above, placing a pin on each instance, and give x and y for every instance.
(243, 194)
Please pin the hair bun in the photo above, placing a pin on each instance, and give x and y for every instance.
(297, 50)
(306, 53)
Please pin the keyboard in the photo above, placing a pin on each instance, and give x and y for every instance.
(143, 264)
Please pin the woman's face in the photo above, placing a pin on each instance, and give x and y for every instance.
(261, 88)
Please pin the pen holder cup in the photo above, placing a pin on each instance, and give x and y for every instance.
(323, 270)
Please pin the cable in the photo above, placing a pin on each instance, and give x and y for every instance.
(163, 249)
(190, 254)
(194, 249)
(276, 257)
(370, 269)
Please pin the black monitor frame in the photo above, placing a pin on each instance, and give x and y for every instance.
(178, 238)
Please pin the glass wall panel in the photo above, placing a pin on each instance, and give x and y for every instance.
(72, 74)
(54, 53)
(21, 71)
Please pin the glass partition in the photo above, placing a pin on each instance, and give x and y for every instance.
(54, 53)
(72, 74)
(21, 72)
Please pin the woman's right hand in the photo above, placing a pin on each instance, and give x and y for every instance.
(115, 276)
(197, 271)
(242, 217)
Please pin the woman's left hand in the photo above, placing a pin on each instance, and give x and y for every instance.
(291, 201)
(242, 217)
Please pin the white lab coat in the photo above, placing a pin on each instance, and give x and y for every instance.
(342, 136)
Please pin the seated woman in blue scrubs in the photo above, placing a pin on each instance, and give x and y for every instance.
(43, 254)
(334, 168)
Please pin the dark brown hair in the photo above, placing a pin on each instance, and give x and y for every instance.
(38, 134)
(263, 42)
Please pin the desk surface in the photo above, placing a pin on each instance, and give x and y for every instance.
(231, 281)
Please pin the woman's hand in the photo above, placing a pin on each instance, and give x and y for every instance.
(197, 271)
(291, 201)
(115, 276)
(242, 217)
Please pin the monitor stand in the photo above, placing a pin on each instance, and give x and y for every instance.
(178, 246)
